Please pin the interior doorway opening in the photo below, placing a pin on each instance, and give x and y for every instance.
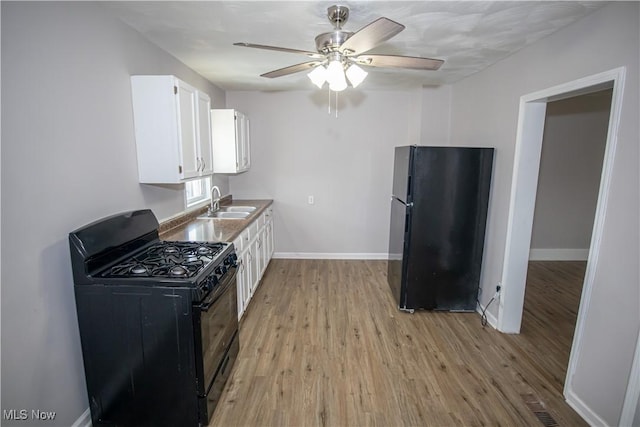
(573, 145)
(531, 119)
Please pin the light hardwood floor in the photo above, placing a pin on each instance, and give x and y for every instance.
(323, 344)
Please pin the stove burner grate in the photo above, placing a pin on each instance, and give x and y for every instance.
(167, 259)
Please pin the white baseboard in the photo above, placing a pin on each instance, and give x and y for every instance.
(558, 254)
(84, 420)
(582, 409)
(319, 255)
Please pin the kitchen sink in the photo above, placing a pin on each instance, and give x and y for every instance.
(225, 215)
(247, 209)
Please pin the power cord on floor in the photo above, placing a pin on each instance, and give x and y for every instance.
(483, 316)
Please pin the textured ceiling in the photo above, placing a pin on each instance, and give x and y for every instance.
(468, 35)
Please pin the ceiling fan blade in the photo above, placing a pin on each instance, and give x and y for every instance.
(398, 61)
(370, 36)
(281, 49)
(291, 69)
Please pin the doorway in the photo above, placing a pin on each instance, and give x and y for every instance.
(532, 111)
(574, 140)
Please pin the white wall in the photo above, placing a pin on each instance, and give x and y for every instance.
(68, 158)
(485, 107)
(346, 163)
(575, 133)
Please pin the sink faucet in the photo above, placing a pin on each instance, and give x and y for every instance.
(215, 202)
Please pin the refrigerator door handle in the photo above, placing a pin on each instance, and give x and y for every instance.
(409, 205)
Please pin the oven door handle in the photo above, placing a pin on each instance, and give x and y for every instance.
(229, 280)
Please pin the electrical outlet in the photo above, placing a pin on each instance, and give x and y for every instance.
(310, 200)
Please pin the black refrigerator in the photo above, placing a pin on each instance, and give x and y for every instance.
(438, 216)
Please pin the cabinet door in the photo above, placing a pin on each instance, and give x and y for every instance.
(223, 136)
(246, 148)
(244, 282)
(261, 252)
(186, 99)
(268, 235)
(251, 274)
(239, 138)
(269, 240)
(205, 149)
(254, 262)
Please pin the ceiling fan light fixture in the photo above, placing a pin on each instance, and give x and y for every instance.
(335, 75)
(338, 86)
(318, 76)
(335, 71)
(356, 75)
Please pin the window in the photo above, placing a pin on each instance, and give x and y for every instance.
(197, 191)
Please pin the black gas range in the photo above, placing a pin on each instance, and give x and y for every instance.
(158, 322)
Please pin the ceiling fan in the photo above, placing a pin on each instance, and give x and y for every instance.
(339, 53)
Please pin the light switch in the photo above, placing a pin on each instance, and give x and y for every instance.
(310, 200)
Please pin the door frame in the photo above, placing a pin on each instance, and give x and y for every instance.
(531, 117)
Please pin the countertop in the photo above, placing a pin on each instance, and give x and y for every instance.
(216, 230)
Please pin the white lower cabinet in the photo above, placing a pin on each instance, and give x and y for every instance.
(254, 264)
(254, 248)
(243, 277)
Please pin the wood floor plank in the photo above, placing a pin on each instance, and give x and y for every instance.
(323, 344)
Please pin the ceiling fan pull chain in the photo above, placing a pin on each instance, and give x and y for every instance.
(337, 105)
(329, 103)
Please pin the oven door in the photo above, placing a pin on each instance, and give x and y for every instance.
(216, 319)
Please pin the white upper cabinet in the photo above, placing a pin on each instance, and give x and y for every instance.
(231, 141)
(172, 127)
(204, 134)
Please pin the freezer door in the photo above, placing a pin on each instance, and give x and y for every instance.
(401, 173)
(397, 244)
(451, 192)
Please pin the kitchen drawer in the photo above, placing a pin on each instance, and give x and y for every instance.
(238, 243)
(245, 236)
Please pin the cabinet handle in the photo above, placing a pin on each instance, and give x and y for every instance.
(204, 165)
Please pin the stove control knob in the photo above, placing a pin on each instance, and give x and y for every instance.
(231, 260)
(212, 281)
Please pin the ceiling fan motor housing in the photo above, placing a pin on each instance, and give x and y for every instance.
(329, 42)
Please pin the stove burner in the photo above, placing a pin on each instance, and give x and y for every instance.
(171, 250)
(138, 269)
(203, 250)
(178, 270)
